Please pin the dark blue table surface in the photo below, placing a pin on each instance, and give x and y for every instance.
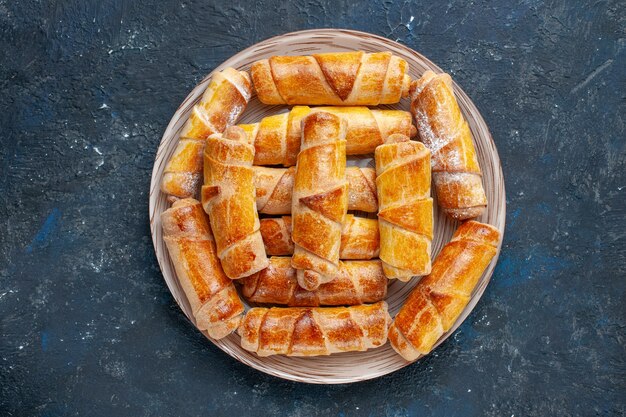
(87, 324)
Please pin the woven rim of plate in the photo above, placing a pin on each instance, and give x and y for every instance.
(323, 370)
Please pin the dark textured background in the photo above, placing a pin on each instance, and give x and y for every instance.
(87, 325)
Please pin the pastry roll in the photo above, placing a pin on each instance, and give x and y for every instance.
(442, 128)
(274, 188)
(405, 213)
(319, 200)
(357, 282)
(229, 197)
(213, 298)
(359, 237)
(221, 105)
(362, 189)
(277, 138)
(311, 331)
(276, 234)
(340, 78)
(439, 299)
(183, 173)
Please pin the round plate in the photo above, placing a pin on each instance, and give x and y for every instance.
(350, 366)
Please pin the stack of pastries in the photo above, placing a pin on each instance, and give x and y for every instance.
(272, 209)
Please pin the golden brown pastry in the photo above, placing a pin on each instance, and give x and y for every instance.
(319, 200)
(359, 237)
(229, 197)
(212, 296)
(183, 173)
(340, 78)
(362, 189)
(357, 282)
(277, 138)
(221, 105)
(276, 234)
(274, 188)
(442, 128)
(311, 331)
(439, 299)
(405, 214)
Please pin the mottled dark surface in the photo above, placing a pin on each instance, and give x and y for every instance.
(87, 324)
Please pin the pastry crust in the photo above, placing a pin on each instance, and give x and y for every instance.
(358, 282)
(229, 197)
(439, 299)
(183, 173)
(442, 128)
(277, 138)
(274, 188)
(310, 331)
(212, 296)
(405, 215)
(319, 200)
(360, 238)
(339, 78)
(222, 103)
(276, 234)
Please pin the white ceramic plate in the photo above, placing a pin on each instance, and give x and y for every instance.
(352, 366)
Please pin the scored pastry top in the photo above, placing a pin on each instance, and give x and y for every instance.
(337, 78)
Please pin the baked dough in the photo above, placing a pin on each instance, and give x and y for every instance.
(438, 300)
(339, 78)
(405, 214)
(229, 198)
(358, 282)
(277, 138)
(360, 238)
(222, 103)
(320, 199)
(213, 298)
(442, 128)
(274, 187)
(313, 331)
